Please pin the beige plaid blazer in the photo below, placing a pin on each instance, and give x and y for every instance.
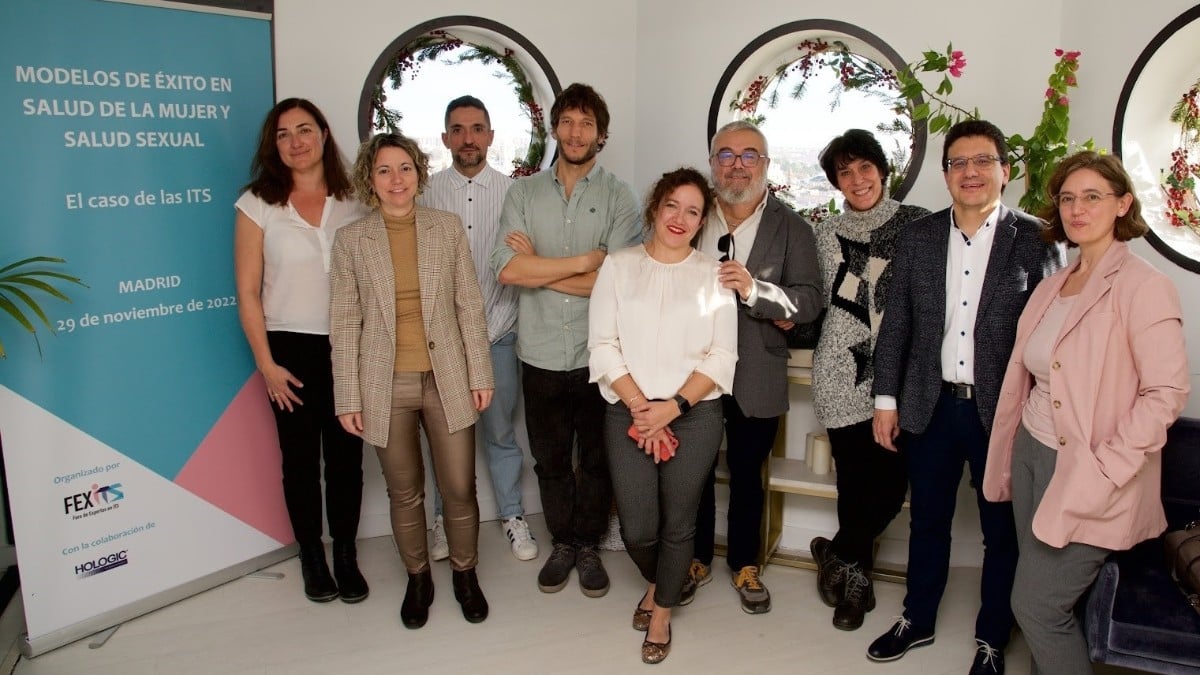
(362, 318)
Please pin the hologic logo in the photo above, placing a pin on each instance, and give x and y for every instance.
(102, 564)
(97, 500)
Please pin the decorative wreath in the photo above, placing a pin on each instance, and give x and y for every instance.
(408, 59)
(1179, 182)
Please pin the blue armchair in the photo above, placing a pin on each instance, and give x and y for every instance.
(1135, 616)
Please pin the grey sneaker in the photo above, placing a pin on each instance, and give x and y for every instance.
(698, 575)
(441, 548)
(593, 580)
(557, 570)
(755, 597)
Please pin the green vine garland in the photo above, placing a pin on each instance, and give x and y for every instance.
(1179, 183)
(429, 47)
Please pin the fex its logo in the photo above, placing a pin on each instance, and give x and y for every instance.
(96, 497)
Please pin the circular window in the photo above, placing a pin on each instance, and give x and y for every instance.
(806, 82)
(428, 66)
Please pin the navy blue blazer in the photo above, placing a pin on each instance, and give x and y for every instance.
(908, 350)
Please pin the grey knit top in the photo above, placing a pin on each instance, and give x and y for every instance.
(855, 253)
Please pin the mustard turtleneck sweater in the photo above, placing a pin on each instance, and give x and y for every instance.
(412, 355)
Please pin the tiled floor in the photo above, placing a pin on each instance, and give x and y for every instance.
(256, 626)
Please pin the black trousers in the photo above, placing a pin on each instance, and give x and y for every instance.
(748, 443)
(561, 409)
(871, 484)
(304, 433)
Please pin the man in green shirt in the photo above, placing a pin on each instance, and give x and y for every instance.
(555, 230)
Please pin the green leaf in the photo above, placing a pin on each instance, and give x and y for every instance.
(30, 261)
(921, 111)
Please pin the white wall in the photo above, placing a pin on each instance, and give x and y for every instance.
(657, 64)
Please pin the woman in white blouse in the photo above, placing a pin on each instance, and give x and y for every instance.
(663, 342)
(299, 195)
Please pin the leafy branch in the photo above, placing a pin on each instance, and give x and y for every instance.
(1179, 184)
(26, 276)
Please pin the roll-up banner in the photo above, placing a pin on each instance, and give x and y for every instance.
(142, 462)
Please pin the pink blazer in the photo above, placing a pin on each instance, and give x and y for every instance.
(1119, 378)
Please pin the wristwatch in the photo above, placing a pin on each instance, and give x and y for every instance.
(683, 404)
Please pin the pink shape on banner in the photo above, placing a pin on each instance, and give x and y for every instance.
(237, 466)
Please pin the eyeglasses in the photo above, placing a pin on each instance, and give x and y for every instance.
(749, 157)
(1066, 200)
(981, 162)
(725, 246)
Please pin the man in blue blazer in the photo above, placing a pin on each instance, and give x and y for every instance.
(769, 260)
(960, 280)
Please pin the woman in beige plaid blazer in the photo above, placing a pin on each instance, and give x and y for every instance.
(410, 349)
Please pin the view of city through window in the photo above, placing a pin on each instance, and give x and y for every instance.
(797, 129)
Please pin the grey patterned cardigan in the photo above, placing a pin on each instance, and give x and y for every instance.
(855, 252)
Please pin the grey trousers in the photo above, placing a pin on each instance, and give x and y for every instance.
(657, 503)
(1049, 580)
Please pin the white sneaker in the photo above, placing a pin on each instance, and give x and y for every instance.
(441, 548)
(523, 544)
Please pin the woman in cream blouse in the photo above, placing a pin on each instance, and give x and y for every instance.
(663, 342)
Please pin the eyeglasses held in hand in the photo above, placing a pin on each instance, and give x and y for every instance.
(981, 162)
(749, 157)
(1066, 200)
(725, 246)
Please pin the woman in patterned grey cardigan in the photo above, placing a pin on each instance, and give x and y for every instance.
(855, 251)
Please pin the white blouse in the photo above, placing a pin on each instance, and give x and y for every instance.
(295, 286)
(660, 322)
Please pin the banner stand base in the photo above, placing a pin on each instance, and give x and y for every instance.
(101, 638)
(31, 647)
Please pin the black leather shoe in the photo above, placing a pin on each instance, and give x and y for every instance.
(466, 591)
(318, 584)
(593, 580)
(895, 643)
(351, 584)
(859, 598)
(414, 611)
(988, 661)
(831, 572)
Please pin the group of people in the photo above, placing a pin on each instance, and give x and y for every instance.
(388, 300)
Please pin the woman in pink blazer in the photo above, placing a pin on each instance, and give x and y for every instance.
(1098, 373)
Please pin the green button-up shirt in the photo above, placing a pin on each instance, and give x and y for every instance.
(552, 327)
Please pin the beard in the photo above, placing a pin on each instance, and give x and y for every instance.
(731, 195)
(463, 160)
(588, 155)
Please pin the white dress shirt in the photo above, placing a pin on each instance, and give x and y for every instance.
(966, 265)
(659, 322)
(743, 239)
(478, 201)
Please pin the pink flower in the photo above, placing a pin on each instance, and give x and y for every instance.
(1058, 52)
(1071, 56)
(1063, 100)
(957, 64)
(1050, 93)
(1070, 80)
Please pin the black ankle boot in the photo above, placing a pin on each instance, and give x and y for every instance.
(318, 584)
(351, 584)
(414, 611)
(468, 594)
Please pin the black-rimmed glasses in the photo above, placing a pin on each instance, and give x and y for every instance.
(749, 157)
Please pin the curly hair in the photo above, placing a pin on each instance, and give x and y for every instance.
(671, 181)
(364, 165)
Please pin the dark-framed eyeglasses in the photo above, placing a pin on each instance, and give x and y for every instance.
(725, 246)
(749, 157)
(981, 162)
